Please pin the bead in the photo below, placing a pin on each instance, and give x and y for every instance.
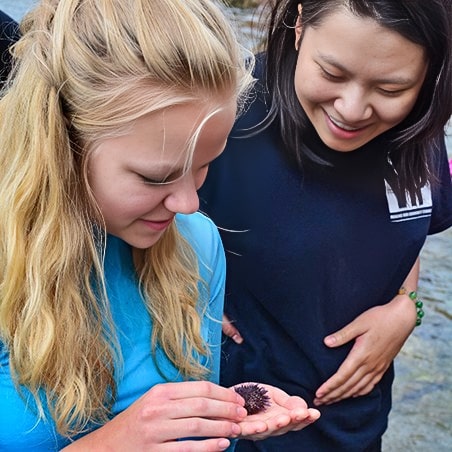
(418, 303)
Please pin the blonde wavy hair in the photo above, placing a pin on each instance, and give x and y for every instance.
(84, 70)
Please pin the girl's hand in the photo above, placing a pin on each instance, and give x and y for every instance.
(379, 334)
(284, 414)
(168, 412)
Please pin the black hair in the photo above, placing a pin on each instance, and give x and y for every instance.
(417, 139)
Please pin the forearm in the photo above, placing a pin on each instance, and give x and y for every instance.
(411, 281)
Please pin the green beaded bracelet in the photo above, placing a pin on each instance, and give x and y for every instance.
(418, 303)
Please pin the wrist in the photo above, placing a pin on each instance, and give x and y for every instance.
(418, 304)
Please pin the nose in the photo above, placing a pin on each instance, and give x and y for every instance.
(353, 104)
(183, 198)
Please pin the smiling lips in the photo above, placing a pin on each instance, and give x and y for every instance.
(343, 126)
(343, 131)
(158, 225)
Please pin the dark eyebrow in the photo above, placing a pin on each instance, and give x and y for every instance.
(384, 81)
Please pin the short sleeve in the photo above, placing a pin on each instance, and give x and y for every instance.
(442, 195)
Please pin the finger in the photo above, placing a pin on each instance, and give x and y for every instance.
(281, 398)
(350, 380)
(344, 335)
(364, 385)
(252, 427)
(296, 426)
(304, 416)
(280, 425)
(231, 331)
(339, 384)
(336, 383)
(368, 388)
(207, 408)
(294, 403)
(360, 384)
(313, 415)
(206, 445)
(337, 394)
(275, 426)
(333, 388)
(197, 428)
(190, 389)
(368, 384)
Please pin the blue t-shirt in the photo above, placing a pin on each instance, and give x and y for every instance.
(307, 252)
(21, 430)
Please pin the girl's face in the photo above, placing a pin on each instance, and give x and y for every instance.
(126, 173)
(356, 79)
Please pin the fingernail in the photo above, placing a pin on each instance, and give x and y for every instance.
(223, 444)
(237, 339)
(330, 340)
(236, 430)
(242, 412)
(302, 417)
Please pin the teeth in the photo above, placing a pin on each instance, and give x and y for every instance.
(341, 125)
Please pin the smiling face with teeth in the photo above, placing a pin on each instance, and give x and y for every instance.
(356, 79)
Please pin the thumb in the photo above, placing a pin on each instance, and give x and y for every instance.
(342, 336)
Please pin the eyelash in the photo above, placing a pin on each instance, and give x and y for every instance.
(149, 181)
(168, 179)
(391, 93)
(329, 76)
(337, 78)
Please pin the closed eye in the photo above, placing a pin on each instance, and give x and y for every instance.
(391, 93)
(160, 181)
(329, 76)
(149, 181)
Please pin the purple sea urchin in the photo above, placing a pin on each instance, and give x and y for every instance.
(256, 398)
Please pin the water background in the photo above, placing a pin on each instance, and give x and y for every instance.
(421, 418)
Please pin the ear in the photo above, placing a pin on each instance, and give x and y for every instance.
(298, 28)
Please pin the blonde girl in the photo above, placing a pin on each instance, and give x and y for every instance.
(111, 285)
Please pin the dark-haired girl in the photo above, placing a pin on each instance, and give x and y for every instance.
(324, 197)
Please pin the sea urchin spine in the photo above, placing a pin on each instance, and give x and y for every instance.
(256, 398)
